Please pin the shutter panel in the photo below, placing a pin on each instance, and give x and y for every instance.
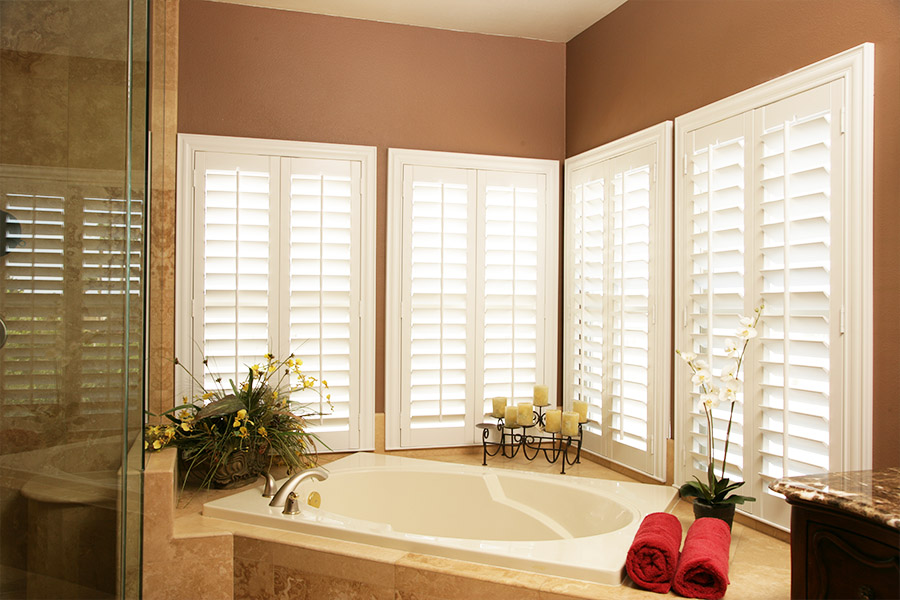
(588, 253)
(798, 162)
(237, 193)
(324, 289)
(714, 189)
(110, 265)
(512, 340)
(617, 264)
(438, 205)
(33, 303)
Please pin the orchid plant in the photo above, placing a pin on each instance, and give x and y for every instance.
(720, 490)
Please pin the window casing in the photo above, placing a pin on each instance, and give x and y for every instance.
(276, 253)
(773, 204)
(471, 293)
(617, 348)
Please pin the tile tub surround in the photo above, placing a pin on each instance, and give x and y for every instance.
(268, 563)
(874, 495)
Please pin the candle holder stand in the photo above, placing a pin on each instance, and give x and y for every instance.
(554, 446)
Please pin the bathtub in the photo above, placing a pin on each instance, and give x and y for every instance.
(557, 525)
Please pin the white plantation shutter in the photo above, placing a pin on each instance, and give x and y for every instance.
(437, 283)
(617, 257)
(799, 166)
(716, 224)
(238, 193)
(470, 291)
(762, 204)
(277, 252)
(512, 273)
(324, 288)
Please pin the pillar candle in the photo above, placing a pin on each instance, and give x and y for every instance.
(511, 418)
(499, 406)
(526, 418)
(541, 393)
(552, 420)
(570, 423)
(581, 408)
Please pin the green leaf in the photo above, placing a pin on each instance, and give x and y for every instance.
(227, 405)
(711, 475)
(691, 489)
(737, 499)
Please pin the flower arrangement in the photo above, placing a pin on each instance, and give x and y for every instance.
(231, 435)
(719, 490)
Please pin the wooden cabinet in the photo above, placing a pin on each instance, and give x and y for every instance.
(835, 554)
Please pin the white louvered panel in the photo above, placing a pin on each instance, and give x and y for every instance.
(235, 284)
(111, 268)
(33, 303)
(716, 188)
(511, 301)
(438, 283)
(588, 294)
(796, 165)
(323, 316)
(629, 299)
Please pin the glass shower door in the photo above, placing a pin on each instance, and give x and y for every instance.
(72, 195)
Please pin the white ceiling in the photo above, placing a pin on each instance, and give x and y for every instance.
(550, 20)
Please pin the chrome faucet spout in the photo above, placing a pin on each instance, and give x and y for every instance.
(291, 484)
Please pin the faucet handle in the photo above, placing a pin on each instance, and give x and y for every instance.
(269, 490)
(292, 505)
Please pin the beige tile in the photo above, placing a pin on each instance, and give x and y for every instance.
(36, 26)
(429, 577)
(34, 118)
(290, 584)
(253, 579)
(372, 573)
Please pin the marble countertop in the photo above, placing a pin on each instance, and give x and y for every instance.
(873, 495)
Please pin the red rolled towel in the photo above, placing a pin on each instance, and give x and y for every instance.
(703, 568)
(653, 555)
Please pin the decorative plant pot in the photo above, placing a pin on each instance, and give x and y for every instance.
(724, 512)
(243, 467)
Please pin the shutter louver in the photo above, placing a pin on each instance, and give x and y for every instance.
(438, 287)
(511, 301)
(323, 201)
(236, 235)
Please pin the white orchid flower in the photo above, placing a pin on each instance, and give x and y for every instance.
(710, 400)
(732, 386)
(688, 357)
(701, 364)
(729, 371)
(726, 395)
(730, 347)
(701, 377)
(746, 331)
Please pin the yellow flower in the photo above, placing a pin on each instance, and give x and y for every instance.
(154, 430)
(157, 444)
(328, 396)
(184, 399)
(146, 445)
(299, 362)
(262, 431)
(255, 369)
(237, 423)
(272, 368)
(186, 426)
(242, 432)
(170, 432)
(244, 386)
(325, 383)
(242, 414)
(208, 395)
(275, 394)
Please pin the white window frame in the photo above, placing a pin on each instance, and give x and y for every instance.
(188, 146)
(660, 318)
(397, 160)
(856, 67)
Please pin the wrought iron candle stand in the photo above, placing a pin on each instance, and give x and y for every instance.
(554, 446)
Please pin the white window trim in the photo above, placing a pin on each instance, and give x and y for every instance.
(188, 146)
(856, 67)
(397, 159)
(660, 287)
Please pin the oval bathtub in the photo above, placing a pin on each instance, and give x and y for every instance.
(558, 525)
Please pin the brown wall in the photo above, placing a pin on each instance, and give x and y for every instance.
(652, 60)
(265, 73)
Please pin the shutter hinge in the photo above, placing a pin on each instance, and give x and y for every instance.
(843, 314)
(843, 120)
(685, 164)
